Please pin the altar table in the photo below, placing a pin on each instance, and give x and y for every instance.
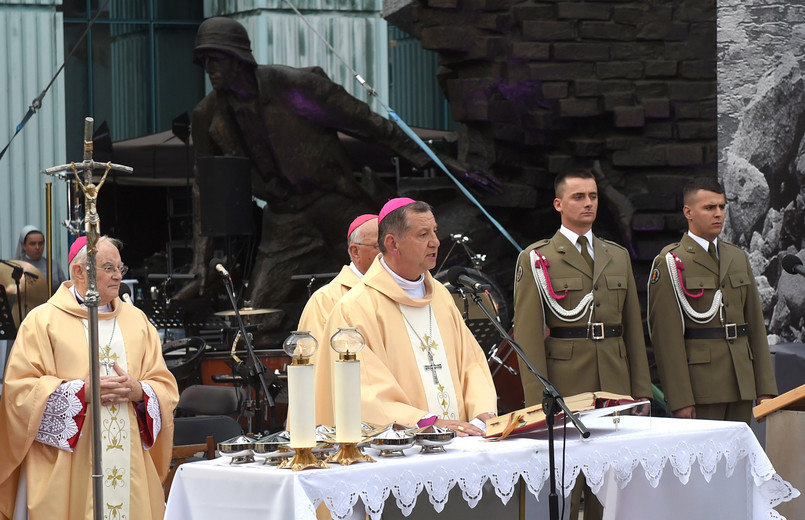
(658, 468)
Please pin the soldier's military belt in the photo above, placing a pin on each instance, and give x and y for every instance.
(728, 331)
(594, 331)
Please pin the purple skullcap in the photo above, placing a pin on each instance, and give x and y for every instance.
(358, 222)
(79, 243)
(392, 205)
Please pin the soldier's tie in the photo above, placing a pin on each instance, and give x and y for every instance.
(582, 241)
(712, 250)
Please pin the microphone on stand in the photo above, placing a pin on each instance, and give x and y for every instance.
(461, 277)
(793, 265)
(217, 264)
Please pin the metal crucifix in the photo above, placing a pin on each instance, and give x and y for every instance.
(92, 226)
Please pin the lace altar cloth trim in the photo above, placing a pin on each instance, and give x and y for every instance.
(655, 448)
(58, 422)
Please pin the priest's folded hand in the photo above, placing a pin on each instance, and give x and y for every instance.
(462, 429)
(120, 388)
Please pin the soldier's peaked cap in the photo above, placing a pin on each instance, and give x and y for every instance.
(224, 35)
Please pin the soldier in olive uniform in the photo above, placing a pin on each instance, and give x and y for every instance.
(586, 296)
(705, 318)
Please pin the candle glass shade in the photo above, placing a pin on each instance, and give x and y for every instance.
(347, 341)
(300, 345)
(347, 385)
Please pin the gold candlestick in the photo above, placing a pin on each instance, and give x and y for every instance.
(347, 396)
(303, 458)
(300, 345)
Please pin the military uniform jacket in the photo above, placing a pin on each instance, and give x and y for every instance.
(616, 364)
(707, 371)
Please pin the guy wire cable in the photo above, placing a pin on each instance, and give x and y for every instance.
(36, 104)
(405, 128)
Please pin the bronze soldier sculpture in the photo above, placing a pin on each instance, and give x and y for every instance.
(285, 120)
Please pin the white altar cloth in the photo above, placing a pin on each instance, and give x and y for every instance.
(648, 468)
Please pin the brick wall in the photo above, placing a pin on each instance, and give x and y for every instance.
(541, 86)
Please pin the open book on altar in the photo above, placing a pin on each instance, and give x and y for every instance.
(532, 419)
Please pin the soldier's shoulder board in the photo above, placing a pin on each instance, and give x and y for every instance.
(613, 244)
(539, 243)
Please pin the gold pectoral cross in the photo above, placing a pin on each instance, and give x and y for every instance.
(107, 359)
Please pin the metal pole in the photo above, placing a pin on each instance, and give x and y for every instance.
(49, 235)
(91, 300)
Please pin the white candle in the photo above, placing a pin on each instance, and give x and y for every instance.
(301, 406)
(347, 397)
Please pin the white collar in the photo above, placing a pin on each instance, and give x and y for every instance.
(80, 301)
(414, 289)
(355, 270)
(703, 242)
(574, 237)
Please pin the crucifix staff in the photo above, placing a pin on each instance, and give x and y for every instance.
(92, 226)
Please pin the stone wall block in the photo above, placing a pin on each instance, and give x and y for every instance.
(535, 51)
(697, 130)
(644, 156)
(607, 31)
(576, 51)
(747, 194)
(560, 71)
(619, 69)
(578, 107)
(525, 12)
(692, 90)
(697, 69)
(684, 154)
(582, 11)
(587, 147)
(618, 99)
(628, 117)
(659, 68)
(548, 30)
(656, 108)
(659, 130)
(555, 89)
(447, 38)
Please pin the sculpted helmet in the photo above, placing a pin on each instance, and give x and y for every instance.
(224, 35)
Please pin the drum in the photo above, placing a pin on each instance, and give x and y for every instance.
(183, 356)
(33, 291)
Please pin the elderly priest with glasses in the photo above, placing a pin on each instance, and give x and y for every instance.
(45, 449)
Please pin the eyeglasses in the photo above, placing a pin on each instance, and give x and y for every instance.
(367, 245)
(108, 268)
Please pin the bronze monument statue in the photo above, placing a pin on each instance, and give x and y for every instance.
(285, 120)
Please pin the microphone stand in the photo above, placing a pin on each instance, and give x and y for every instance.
(552, 402)
(258, 369)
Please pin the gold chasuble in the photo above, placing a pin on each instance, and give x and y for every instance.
(313, 319)
(52, 445)
(396, 385)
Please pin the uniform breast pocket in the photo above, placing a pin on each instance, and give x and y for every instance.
(694, 285)
(740, 281)
(616, 284)
(568, 284)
